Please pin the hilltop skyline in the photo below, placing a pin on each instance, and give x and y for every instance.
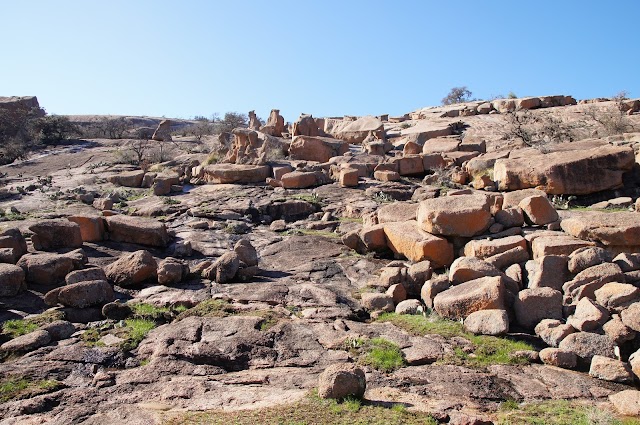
(362, 58)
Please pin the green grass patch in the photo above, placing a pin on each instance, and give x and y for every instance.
(310, 410)
(378, 353)
(488, 350)
(382, 355)
(91, 337)
(18, 327)
(136, 331)
(560, 412)
(17, 388)
(149, 311)
(221, 308)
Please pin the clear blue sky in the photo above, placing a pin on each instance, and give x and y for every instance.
(328, 58)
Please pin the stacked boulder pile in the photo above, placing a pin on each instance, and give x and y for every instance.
(79, 292)
(516, 272)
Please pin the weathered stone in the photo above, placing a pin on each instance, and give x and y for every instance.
(26, 343)
(583, 258)
(485, 248)
(627, 262)
(587, 344)
(127, 178)
(510, 217)
(433, 287)
(320, 149)
(631, 316)
(462, 215)
(55, 234)
(609, 369)
(131, 269)
(46, 269)
(163, 131)
(235, 173)
(407, 239)
(409, 307)
(12, 280)
(85, 294)
(171, 271)
(559, 358)
(538, 210)
(246, 252)
(342, 380)
(556, 245)
(460, 301)
(397, 293)
(626, 402)
(386, 175)
(615, 228)
(59, 330)
(617, 296)
(12, 238)
(142, 231)
(84, 275)
(552, 331)
(348, 177)
(103, 204)
(91, 227)
(301, 179)
(585, 283)
(224, 269)
(548, 271)
(588, 316)
(577, 172)
(116, 311)
(487, 322)
(534, 305)
(397, 211)
(618, 331)
(464, 269)
(377, 302)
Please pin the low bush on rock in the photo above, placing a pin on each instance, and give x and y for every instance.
(136, 331)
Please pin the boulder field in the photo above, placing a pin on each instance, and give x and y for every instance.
(291, 258)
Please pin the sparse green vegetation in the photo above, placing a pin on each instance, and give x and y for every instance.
(16, 388)
(350, 220)
(91, 338)
(310, 232)
(221, 308)
(18, 327)
(559, 412)
(137, 330)
(488, 350)
(170, 201)
(378, 353)
(311, 410)
(149, 311)
(311, 198)
(382, 355)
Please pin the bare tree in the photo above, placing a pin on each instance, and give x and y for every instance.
(457, 95)
(612, 118)
(538, 129)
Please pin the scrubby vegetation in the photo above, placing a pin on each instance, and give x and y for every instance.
(487, 350)
(312, 410)
(558, 412)
(12, 388)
